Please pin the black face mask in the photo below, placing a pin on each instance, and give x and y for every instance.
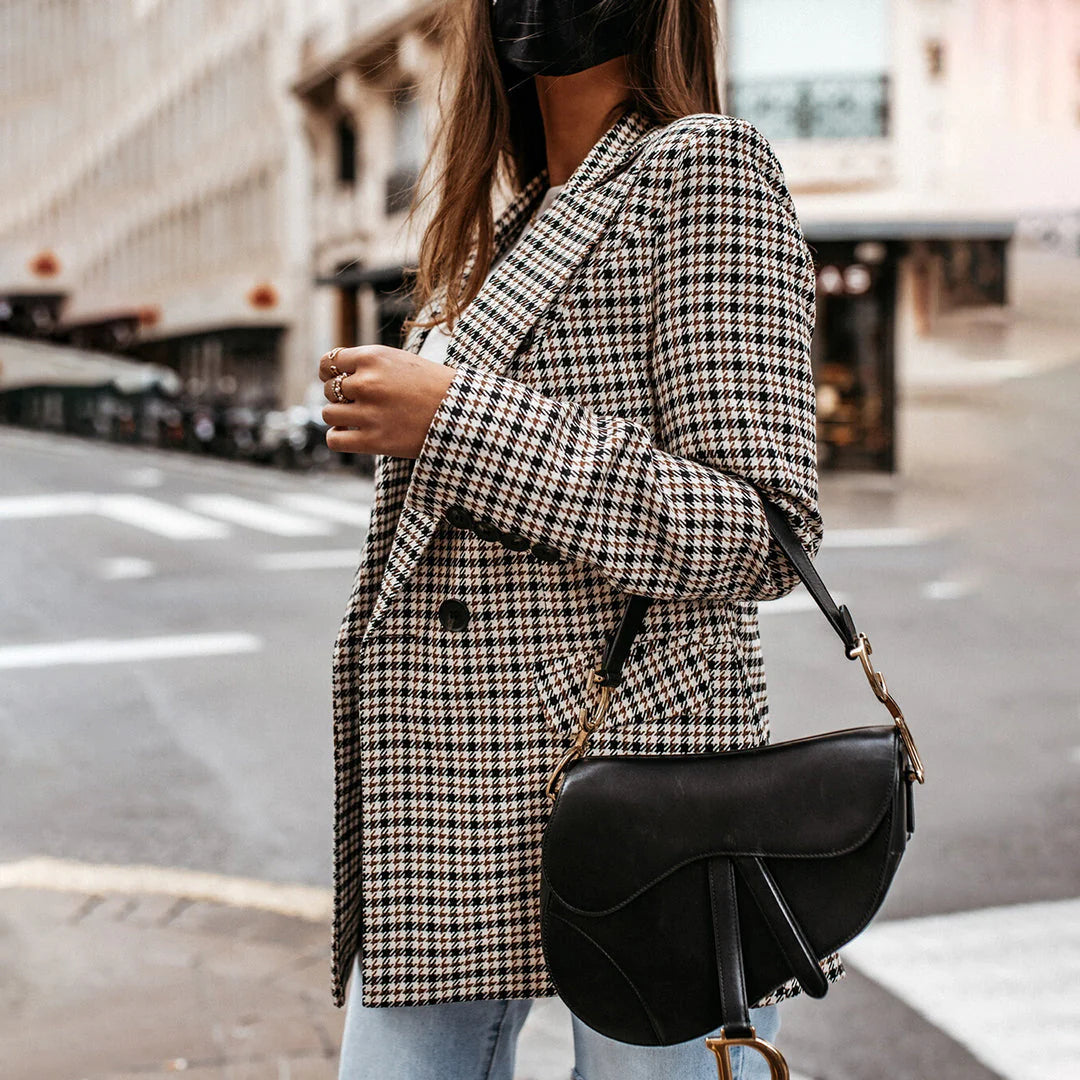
(560, 37)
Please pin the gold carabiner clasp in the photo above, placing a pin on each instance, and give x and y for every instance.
(877, 683)
(586, 726)
(778, 1068)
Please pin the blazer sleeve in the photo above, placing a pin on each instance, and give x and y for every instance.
(671, 514)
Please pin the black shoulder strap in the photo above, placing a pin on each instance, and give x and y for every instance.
(610, 672)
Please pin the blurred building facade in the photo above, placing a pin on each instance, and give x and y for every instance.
(915, 135)
(153, 196)
(222, 185)
(368, 83)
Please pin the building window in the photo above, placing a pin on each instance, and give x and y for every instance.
(409, 147)
(346, 150)
(935, 58)
(348, 314)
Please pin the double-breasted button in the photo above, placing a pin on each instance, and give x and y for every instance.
(453, 614)
(515, 541)
(546, 553)
(487, 530)
(459, 517)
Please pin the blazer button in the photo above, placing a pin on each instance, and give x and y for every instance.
(515, 541)
(487, 530)
(546, 553)
(453, 614)
(459, 517)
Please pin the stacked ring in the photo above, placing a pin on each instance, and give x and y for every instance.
(338, 379)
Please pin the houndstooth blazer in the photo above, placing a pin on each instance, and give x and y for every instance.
(627, 368)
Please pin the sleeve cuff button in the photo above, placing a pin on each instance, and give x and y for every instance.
(515, 541)
(546, 553)
(486, 530)
(459, 517)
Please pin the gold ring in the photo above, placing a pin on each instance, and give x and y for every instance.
(336, 385)
(330, 359)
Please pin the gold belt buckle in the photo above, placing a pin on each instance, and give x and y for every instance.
(778, 1069)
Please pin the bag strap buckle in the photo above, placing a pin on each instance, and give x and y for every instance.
(862, 651)
(586, 726)
(720, 1046)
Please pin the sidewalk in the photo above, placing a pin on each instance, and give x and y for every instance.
(97, 984)
(145, 986)
(102, 985)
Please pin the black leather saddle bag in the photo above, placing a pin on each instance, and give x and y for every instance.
(675, 889)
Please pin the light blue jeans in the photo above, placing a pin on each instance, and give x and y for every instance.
(477, 1040)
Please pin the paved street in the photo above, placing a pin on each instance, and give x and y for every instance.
(165, 699)
(205, 742)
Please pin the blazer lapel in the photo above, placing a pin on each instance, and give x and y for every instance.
(507, 228)
(493, 328)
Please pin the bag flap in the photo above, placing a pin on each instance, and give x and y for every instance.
(620, 824)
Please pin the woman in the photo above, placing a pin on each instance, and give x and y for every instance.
(615, 372)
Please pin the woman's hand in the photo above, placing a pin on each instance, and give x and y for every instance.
(392, 396)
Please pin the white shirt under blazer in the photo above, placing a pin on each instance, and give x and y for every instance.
(625, 369)
(436, 339)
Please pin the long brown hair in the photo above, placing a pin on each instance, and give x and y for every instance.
(488, 136)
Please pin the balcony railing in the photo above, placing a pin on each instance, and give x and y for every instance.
(840, 107)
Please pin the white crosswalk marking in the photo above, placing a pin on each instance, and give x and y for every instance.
(884, 537)
(946, 589)
(348, 558)
(348, 513)
(14, 507)
(1004, 982)
(160, 518)
(137, 510)
(145, 477)
(795, 601)
(121, 650)
(124, 567)
(256, 515)
(207, 517)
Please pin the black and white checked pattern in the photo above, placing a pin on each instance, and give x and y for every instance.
(628, 366)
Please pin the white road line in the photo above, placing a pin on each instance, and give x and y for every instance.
(971, 372)
(14, 507)
(348, 558)
(124, 567)
(146, 477)
(886, 537)
(256, 515)
(125, 650)
(1004, 981)
(160, 518)
(947, 590)
(137, 510)
(68, 875)
(797, 600)
(348, 513)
